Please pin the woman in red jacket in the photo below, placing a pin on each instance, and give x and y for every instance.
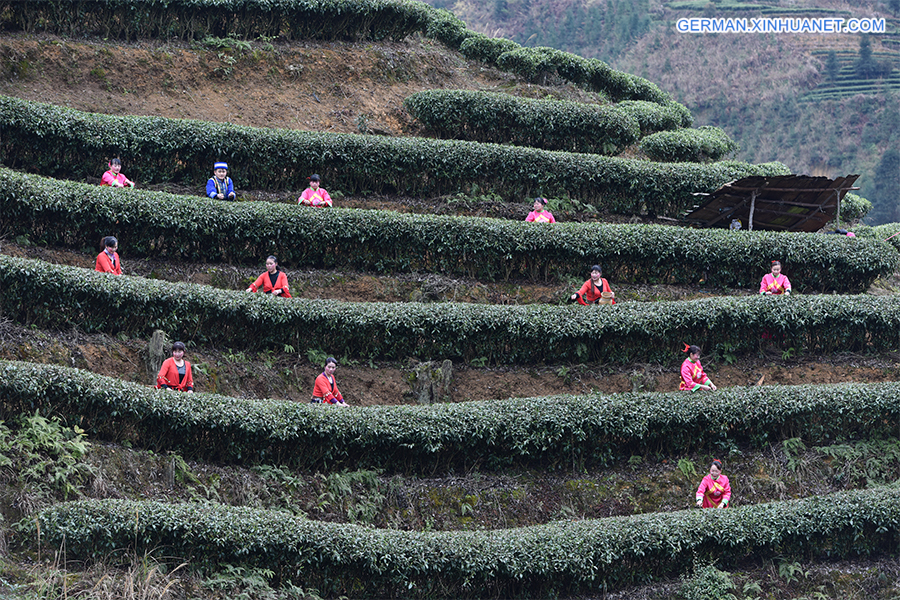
(592, 290)
(326, 390)
(272, 281)
(175, 373)
(108, 260)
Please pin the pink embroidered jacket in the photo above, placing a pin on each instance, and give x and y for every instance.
(714, 492)
(778, 285)
(109, 178)
(314, 198)
(540, 217)
(692, 376)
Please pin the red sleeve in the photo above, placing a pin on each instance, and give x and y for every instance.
(337, 393)
(282, 284)
(583, 291)
(701, 490)
(687, 376)
(552, 220)
(259, 283)
(104, 265)
(530, 217)
(322, 389)
(165, 375)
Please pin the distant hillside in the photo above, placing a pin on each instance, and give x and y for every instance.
(811, 101)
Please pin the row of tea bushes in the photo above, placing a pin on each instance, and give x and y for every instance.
(321, 19)
(703, 144)
(172, 227)
(500, 118)
(47, 295)
(563, 558)
(55, 140)
(549, 124)
(531, 432)
(197, 19)
(35, 292)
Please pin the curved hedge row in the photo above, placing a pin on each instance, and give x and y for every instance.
(703, 144)
(55, 141)
(161, 225)
(501, 118)
(322, 19)
(196, 19)
(56, 296)
(557, 559)
(653, 117)
(556, 430)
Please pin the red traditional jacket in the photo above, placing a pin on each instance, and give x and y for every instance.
(327, 390)
(168, 376)
(105, 265)
(264, 282)
(776, 285)
(590, 293)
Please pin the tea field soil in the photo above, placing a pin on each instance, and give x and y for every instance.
(289, 376)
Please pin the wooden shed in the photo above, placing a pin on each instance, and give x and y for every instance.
(781, 203)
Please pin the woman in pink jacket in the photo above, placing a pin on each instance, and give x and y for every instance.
(314, 195)
(114, 177)
(539, 214)
(715, 489)
(775, 283)
(692, 376)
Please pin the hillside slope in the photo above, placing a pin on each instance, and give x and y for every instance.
(778, 96)
(323, 86)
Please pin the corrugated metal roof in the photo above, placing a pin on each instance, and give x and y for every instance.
(782, 203)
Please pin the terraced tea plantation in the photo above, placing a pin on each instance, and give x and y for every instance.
(550, 454)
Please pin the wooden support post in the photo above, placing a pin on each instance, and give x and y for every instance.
(752, 208)
(837, 217)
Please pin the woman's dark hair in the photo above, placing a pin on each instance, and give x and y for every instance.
(597, 268)
(716, 463)
(330, 360)
(541, 200)
(694, 350)
(115, 161)
(109, 241)
(776, 262)
(272, 258)
(178, 346)
(314, 177)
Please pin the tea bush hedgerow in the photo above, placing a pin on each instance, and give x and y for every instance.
(504, 119)
(33, 292)
(556, 559)
(52, 140)
(299, 19)
(593, 429)
(703, 144)
(160, 225)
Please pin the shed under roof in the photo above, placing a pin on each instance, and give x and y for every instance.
(780, 203)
